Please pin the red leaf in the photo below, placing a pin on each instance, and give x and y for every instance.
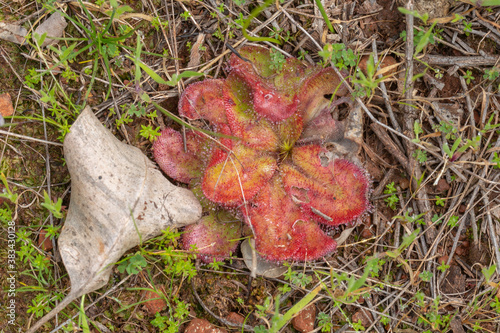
(315, 93)
(282, 231)
(168, 151)
(334, 194)
(232, 178)
(213, 239)
(203, 100)
(242, 119)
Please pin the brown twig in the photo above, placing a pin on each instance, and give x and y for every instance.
(491, 229)
(474, 61)
(390, 146)
(383, 88)
(413, 168)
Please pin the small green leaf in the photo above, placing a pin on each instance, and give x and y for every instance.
(455, 145)
(447, 150)
(40, 39)
(118, 11)
(83, 317)
(175, 77)
(486, 3)
(186, 74)
(426, 276)
(7, 193)
(424, 40)
(417, 76)
(145, 97)
(407, 240)
(406, 11)
(488, 272)
(151, 72)
(54, 208)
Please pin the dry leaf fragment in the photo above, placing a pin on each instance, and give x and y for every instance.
(12, 33)
(54, 27)
(261, 267)
(6, 108)
(44, 241)
(195, 52)
(118, 200)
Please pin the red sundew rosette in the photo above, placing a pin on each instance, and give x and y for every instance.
(282, 189)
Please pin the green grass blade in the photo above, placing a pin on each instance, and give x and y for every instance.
(254, 14)
(325, 17)
(296, 308)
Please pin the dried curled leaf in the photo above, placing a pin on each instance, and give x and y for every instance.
(118, 199)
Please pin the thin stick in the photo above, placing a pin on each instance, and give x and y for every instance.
(24, 137)
(473, 61)
(493, 234)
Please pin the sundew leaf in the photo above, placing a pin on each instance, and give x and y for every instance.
(333, 194)
(242, 119)
(316, 91)
(213, 239)
(187, 125)
(168, 151)
(282, 231)
(268, 101)
(234, 177)
(323, 128)
(204, 100)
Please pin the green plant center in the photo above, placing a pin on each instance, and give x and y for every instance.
(285, 148)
